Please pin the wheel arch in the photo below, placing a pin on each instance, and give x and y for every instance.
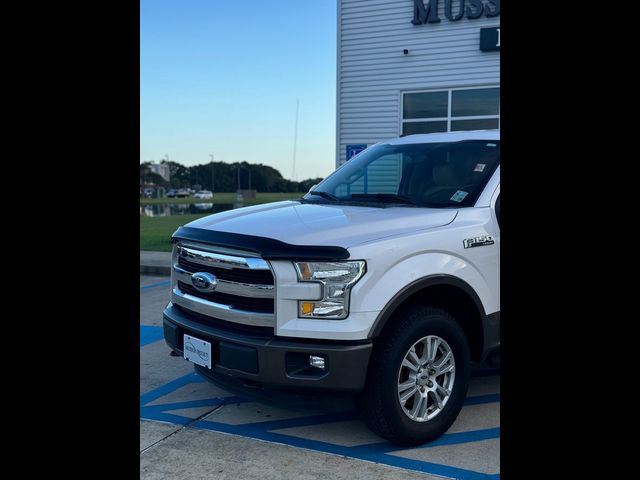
(449, 293)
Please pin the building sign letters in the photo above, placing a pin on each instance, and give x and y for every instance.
(426, 11)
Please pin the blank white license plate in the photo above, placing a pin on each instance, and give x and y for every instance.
(197, 351)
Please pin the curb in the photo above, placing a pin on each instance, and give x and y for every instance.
(155, 263)
(155, 270)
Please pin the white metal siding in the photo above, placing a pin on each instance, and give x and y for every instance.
(383, 176)
(373, 70)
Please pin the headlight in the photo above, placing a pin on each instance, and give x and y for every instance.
(337, 278)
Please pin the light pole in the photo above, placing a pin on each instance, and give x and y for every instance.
(295, 142)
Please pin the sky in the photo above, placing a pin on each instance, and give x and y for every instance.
(222, 77)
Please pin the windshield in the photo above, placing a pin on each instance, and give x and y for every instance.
(436, 175)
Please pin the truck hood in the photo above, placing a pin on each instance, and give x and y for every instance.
(324, 224)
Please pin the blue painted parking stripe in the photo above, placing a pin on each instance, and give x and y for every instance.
(150, 334)
(303, 421)
(352, 452)
(154, 285)
(382, 452)
(166, 417)
(167, 388)
(432, 468)
(258, 433)
(324, 418)
(464, 437)
(345, 416)
(207, 402)
(446, 439)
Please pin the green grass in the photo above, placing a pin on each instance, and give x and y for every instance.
(155, 232)
(226, 197)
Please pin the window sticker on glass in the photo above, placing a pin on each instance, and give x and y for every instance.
(479, 167)
(459, 196)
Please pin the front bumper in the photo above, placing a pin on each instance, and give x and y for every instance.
(262, 359)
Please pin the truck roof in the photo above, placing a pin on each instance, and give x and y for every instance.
(445, 137)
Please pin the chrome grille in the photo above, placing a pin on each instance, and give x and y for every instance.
(244, 292)
(263, 305)
(263, 277)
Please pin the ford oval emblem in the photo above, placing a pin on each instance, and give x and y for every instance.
(204, 282)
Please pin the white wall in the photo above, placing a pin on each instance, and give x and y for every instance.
(373, 70)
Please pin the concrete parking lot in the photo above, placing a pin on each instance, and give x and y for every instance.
(190, 428)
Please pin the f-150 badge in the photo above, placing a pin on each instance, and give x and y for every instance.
(480, 241)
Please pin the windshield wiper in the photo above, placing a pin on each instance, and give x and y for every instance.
(389, 197)
(326, 195)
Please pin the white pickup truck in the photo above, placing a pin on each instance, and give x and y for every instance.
(383, 280)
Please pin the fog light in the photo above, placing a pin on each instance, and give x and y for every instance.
(317, 362)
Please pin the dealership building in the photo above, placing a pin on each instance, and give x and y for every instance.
(415, 66)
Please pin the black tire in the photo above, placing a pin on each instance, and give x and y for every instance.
(379, 403)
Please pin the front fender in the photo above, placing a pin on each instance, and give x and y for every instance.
(429, 268)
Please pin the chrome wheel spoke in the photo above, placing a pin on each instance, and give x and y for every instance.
(417, 405)
(408, 384)
(410, 393)
(424, 358)
(437, 399)
(446, 369)
(413, 357)
(422, 411)
(443, 391)
(409, 365)
(434, 343)
(445, 358)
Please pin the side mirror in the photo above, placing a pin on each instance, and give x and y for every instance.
(313, 187)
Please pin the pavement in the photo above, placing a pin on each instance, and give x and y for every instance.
(192, 428)
(155, 263)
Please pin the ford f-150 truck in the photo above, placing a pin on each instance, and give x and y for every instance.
(383, 280)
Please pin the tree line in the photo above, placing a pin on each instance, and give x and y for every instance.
(223, 177)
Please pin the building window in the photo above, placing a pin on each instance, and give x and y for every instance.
(451, 110)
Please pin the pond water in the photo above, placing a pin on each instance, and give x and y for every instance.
(169, 209)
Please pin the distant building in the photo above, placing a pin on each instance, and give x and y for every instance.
(161, 169)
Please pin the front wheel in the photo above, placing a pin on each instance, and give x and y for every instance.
(418, 377)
